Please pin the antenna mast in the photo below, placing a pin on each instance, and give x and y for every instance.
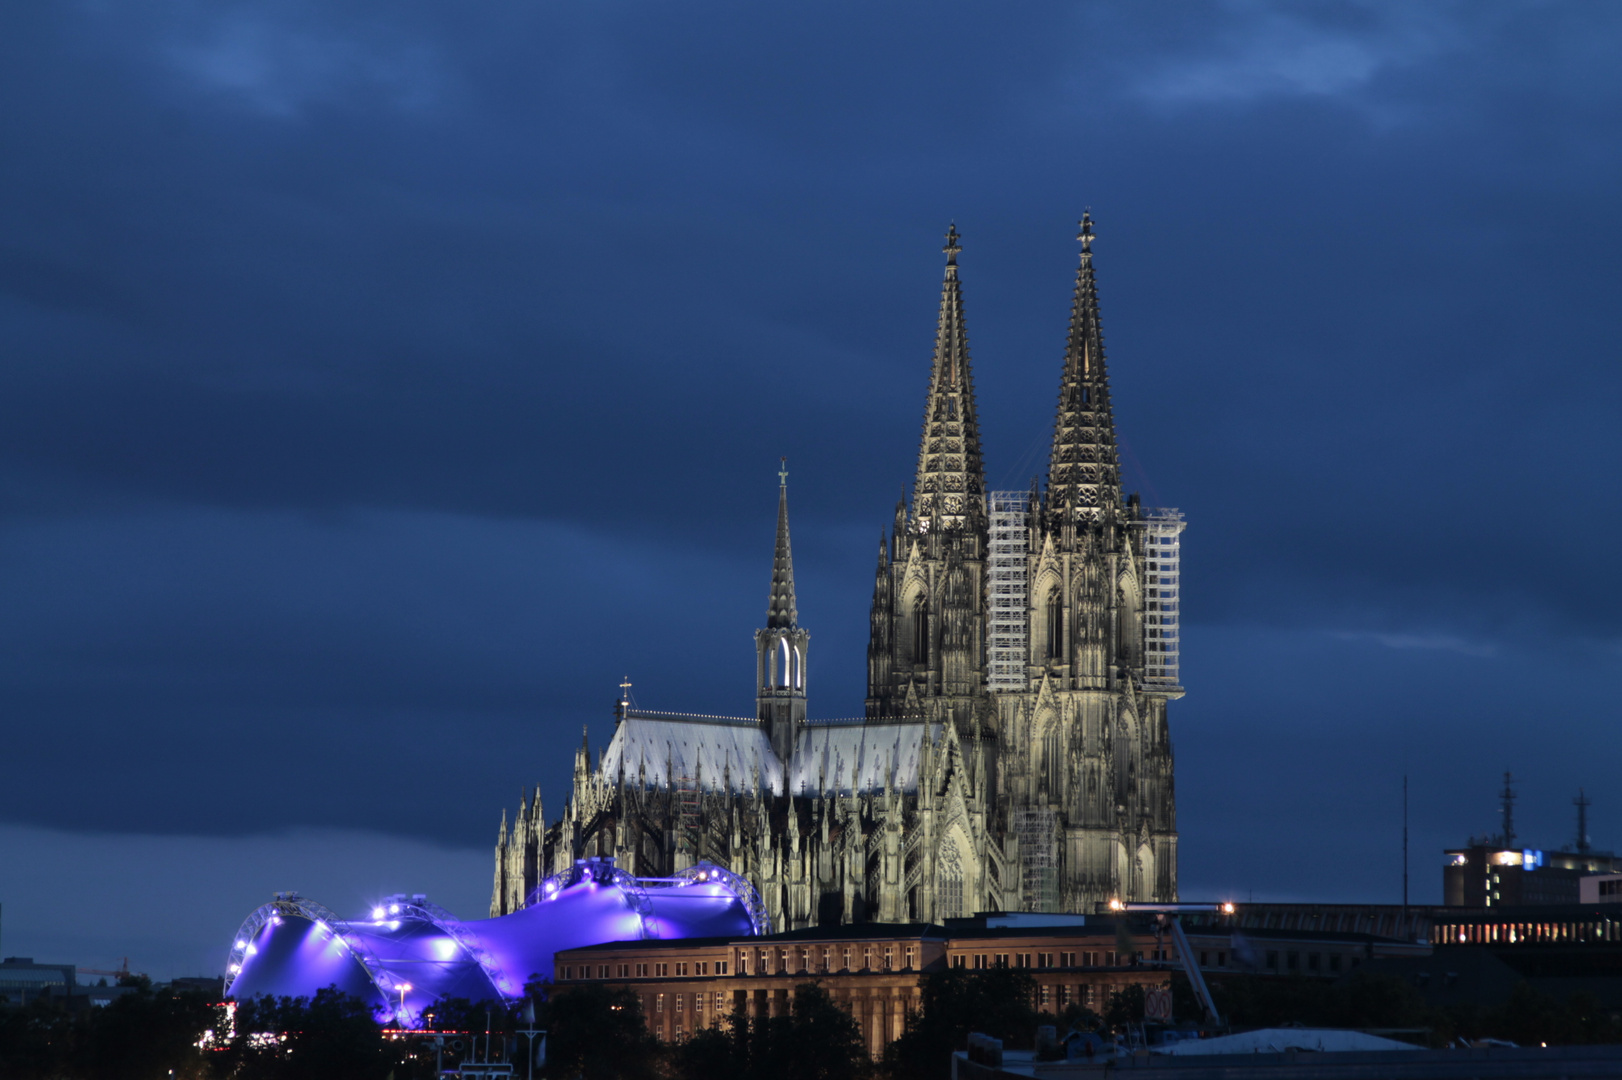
(1405, 845)
(1582, 803)
(1508, 797)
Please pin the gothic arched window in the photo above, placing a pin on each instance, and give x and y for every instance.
(949, 882)
(920, 631)
(1053, 759)
(1055, 612)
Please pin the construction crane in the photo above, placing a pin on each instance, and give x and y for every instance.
(123, 972)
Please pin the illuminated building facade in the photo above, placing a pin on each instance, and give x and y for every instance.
(873, 971)
(1014, 754)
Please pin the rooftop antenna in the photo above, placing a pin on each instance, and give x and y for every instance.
(1582, 802)
(1405, 845)
(1508, 797)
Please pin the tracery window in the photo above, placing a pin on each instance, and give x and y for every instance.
(920, 631)
(949, 883)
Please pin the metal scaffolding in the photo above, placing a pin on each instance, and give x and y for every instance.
(1008, 568)
(1038, 858)
(1162, 604)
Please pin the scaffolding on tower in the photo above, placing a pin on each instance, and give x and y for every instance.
(1162, 602)
(1038, 857)
(1008, 570)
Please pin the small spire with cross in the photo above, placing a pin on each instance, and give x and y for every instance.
(952, 244)
(624, 703)
(782, 472)
(1085, 232)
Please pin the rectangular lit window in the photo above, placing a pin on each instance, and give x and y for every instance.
(659, 1003)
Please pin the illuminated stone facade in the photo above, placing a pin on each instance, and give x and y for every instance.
(1045, 786)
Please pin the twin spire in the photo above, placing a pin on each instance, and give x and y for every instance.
(951, 483)
(1084, 471)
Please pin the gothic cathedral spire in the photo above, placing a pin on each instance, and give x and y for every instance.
(1084, 473)
(781, 647)
(951, 481)
(781, 612)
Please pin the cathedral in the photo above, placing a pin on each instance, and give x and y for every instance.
(1014, 755)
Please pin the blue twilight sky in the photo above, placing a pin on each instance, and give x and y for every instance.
(380, 382)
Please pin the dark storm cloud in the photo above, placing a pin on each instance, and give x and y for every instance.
(389, 376)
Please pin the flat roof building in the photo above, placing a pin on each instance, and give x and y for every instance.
(22, 981)
(873, 969)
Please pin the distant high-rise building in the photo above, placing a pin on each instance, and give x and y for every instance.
(1014, 754)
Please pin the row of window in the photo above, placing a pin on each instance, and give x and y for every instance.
(825, 959)
(1291, 960)
(1516, 933)
(1039, 961)
(649, 971)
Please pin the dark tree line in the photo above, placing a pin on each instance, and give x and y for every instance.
(598, 1034)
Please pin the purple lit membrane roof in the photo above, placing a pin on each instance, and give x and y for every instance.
(293, 952)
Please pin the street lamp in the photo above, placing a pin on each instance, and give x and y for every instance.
(403, 988)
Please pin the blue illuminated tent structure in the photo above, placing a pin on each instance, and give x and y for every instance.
(410, 953)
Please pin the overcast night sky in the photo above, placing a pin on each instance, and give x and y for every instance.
(381, 382)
